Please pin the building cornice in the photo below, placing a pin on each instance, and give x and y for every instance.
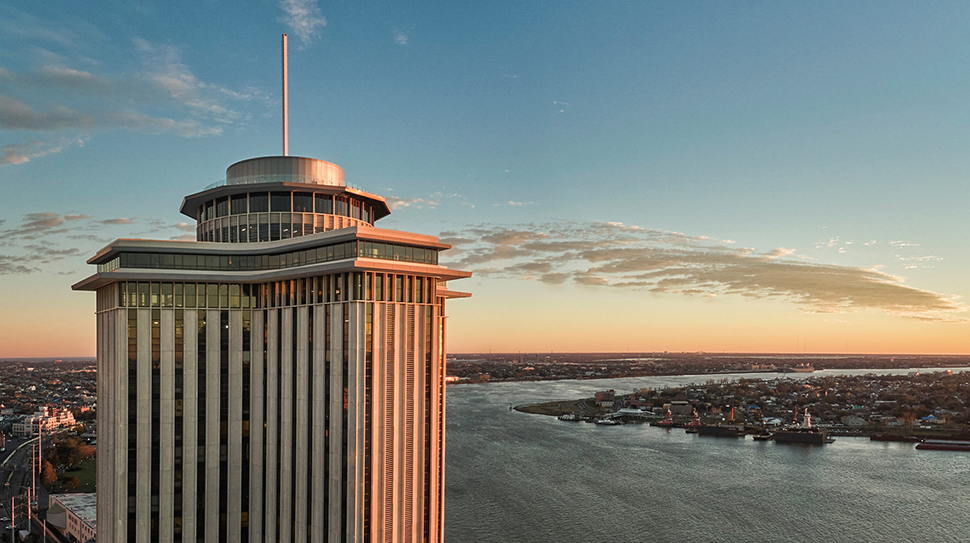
(367, 233)
(200, 276)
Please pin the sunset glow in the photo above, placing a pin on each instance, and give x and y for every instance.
(634, 177)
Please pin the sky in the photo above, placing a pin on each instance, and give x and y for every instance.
(618, 176)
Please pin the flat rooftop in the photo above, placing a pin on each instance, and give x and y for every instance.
(84, 506)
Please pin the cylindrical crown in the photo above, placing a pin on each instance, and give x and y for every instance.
(289, 169)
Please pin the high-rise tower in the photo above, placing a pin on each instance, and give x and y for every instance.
(281, 378)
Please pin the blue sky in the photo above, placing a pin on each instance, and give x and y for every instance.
(619, 176)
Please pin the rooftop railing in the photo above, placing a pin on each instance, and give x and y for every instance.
(279, 178)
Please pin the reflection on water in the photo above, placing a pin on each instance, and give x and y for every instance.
(518, 477)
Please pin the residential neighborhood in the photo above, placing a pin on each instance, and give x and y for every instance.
(875, 402)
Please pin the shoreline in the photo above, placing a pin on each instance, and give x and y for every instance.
(649, 405)
(713, 374)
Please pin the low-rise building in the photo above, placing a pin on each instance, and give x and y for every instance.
(605, 398)
(680, 407)
(46, 419)
(75, 515)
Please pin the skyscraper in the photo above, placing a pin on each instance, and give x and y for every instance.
(281, 378)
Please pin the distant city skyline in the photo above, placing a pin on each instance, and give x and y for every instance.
(641, 177)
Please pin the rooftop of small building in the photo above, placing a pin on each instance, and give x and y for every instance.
(84, 506)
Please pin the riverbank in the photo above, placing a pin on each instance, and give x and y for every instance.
(483, 368)
(932, 405)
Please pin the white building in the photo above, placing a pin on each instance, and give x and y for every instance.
(46, 419)
(282, 378)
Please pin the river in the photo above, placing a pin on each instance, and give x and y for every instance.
(515, 477)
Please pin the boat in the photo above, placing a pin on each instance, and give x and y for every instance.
(694, 426)
(944, 445)
(570, 417)
(668, 422)
(803, 433)
(608, 422)
(901, 439)
(763, 435)
(721, 430)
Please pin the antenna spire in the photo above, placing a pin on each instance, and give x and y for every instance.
(286, 113)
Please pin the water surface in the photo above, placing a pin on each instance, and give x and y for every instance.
(517, 477)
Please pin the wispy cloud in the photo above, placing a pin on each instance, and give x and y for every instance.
(400, 38)
(19, 153)
(64, 105)
(303, 17)
(35, 225)
(20, 24)
(15, 115)
(12, 265)
(431, 201)
(417, 203)
(629, 257)
(910, 254)
(44, 239)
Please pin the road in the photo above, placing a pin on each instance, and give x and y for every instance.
(15, 481)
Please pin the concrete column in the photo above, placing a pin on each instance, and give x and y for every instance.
(336, 430)
(166, 479)
(235, 426)
(355, 425)
(285, 445)
(301, 425)
(272, 427)
(190, 431)
(144, 424)
(319, 485)
(212, 427)
(256, 435)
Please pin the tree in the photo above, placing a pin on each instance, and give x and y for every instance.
(47, 474)
(909, 418)
(71, 483)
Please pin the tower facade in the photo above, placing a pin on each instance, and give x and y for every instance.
(281, 379)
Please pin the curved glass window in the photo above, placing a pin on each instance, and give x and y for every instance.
(238, 206)
(324, 203)
(258, 202)
(303, 202)
(222, 206)
(240, 218)
(279, 201)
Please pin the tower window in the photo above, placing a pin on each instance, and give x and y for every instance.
(303, 202)
(258, 202)
(279, 201)
(238, 204)
(222, 206)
